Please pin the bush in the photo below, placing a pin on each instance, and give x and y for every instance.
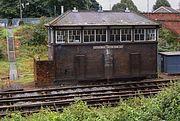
(39, 34)
(168, 41)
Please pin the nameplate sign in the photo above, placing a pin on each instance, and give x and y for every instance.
(108, 47)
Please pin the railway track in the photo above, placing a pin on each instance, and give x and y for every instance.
(31, 101)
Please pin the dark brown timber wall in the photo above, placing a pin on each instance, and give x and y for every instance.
(105, 61)
(43, 73)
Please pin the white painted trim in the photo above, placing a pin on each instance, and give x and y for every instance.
(162, 7)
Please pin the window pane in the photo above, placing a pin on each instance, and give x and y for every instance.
(86, 38)
(112, 38)
(136, 37)
(123, 37)
(92, 38)
(117, 38)
(129, 37)
(142, 37)
(98, 38)
(103, 38)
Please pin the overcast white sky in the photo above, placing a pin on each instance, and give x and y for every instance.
(141, 4)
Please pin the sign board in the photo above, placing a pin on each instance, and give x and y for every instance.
(108, 47)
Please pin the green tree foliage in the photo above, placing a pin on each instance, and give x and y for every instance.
(39, 34)
(9, 8)
(168, 41)
(160, 3)
(125, 4)
(38, 8)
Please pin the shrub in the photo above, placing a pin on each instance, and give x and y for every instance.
(39, 34)
(168, 41)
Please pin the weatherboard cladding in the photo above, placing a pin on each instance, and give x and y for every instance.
(92, 18)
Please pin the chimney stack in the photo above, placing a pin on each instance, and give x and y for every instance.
(62, 10)
(75, 10)
(100, 9)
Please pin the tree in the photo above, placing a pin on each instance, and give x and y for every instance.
(9, 8)
(38, 8)
(125, 4)
(160, 3)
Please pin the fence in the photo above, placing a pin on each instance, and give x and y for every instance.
(15, 21)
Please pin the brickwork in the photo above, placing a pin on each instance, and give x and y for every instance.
(170, 21)
(43, 73)
(86, 62)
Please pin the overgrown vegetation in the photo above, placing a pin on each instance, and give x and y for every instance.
(3, 34)
(165, 106)
(168, 41)
(30, 43)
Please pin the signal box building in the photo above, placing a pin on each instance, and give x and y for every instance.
(98, 45)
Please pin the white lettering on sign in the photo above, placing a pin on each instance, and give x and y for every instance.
(108, 47)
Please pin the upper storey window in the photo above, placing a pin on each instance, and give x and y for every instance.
(61, 36)
(74, 36)
(100, 35)
(89, 35)
(95, 35)
(139, 34)
(151, 34)
(71, 36)
(115, 35)
(126, 35)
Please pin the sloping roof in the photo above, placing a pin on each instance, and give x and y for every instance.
(164, 9)
(92, 18)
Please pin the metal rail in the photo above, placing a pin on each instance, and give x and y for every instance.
(33, 100)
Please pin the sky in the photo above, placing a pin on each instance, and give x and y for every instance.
(141, 4)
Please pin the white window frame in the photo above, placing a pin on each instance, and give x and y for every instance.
(126, 35)
(68, 36)
(95, 38)
(151, 34)
(115, 35)
(101, 36)
(74, 36)
(89, 35)
(139, 35)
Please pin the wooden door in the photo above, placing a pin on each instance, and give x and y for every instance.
(79, 66)
(135, 63)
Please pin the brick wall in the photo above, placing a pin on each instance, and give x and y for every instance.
(169, 21)
(43, 73)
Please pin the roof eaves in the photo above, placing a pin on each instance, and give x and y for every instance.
(53, 22)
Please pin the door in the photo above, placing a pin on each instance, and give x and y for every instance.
(135, 63)
(79, 66)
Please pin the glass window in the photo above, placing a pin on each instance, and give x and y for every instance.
(151, 34)
(139, 34)
(61, 36)
(114, 35)
(100, 35)
(97, 35)
(74, 36)
(126, 35)
(89, 35)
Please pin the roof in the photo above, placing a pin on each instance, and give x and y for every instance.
(170, 21)
(164, 9)
(93, 18)
(170, 53)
